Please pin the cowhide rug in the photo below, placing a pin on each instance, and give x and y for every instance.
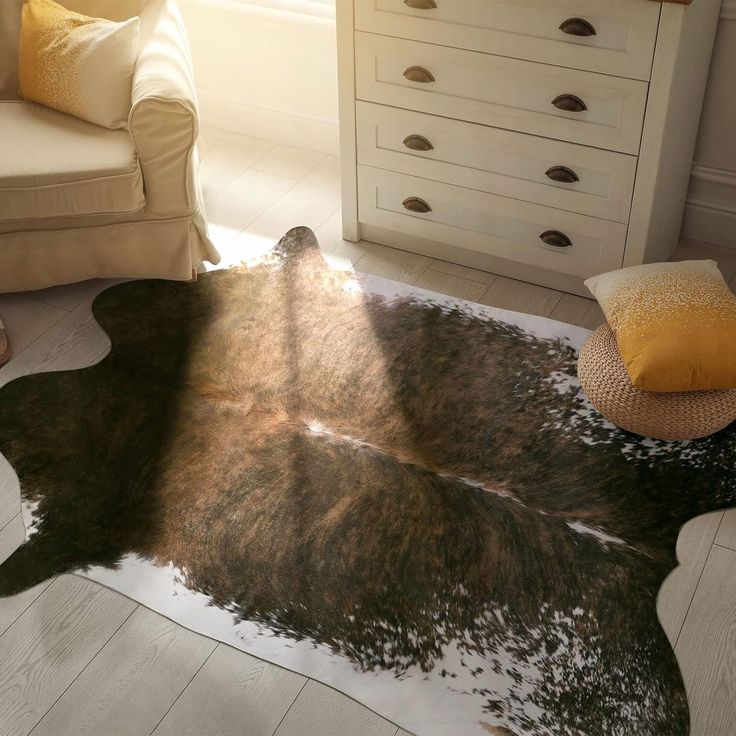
(400, 494)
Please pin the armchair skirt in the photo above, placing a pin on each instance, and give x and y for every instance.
(78, 201)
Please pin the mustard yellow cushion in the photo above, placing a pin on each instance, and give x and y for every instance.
(675, 324)
(78, 65)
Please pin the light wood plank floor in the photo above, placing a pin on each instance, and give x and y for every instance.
(77, 659)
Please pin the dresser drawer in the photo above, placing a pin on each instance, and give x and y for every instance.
(621, 40)
(487, 223)
(505, 93)
(497, 161)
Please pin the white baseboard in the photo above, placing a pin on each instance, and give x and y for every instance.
(728, 9)
(710, 210)
(274, 125)
(709, 225)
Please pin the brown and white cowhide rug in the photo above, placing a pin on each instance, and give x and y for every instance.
(400, 494)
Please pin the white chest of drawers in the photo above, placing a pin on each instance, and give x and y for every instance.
(547, 140)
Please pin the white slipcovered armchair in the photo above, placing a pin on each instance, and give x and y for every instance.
(78, 201)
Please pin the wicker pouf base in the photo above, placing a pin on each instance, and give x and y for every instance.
(665, 416)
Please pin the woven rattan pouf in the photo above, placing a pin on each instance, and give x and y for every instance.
(665, 416)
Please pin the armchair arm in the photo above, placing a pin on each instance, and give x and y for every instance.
(163, 118)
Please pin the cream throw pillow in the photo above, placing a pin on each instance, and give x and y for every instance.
(78, 65)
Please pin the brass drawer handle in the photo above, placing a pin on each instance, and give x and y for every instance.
(556, 238)
(562, 173)
(419, 74)
(416, 204)
(577, 27)
(569, 103)
(421, 4)
(418, 143)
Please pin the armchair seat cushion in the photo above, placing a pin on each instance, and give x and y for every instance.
(54, 165)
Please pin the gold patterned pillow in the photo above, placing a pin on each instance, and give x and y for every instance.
(78, 65)
(675, 324)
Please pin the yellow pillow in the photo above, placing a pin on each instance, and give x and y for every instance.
(78, 65)
(675, 324)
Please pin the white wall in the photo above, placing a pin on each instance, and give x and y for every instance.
(267, 68)
(710, 213)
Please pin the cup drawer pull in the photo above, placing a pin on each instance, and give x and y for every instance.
(569, 103)
(562, 173)
(416, 204)
(419, 74)
(418, 143)
(577, 27)
(555, 238)
(421, 4)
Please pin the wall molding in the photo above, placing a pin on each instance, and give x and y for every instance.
(714, 175)
(710, 209)
(314, 133)
(276, 10)
(314, 8)
(728, 9)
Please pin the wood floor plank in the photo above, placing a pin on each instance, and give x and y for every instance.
(693, 546)
(208, 136)
(9, 492)
(26, 319)
(233, 694)
(235, 207)
(342, 255)
(72, 342)
(726, 536)
(390, 263)
(309, 203)
(69, 296)
(132, 682)
(227, 158)
(454, 269)
(451, 285)
(45, 649)
(706, 648)
(576, 310)
(12, 536)
(519, 296)
(322, 711)
(288, 161)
